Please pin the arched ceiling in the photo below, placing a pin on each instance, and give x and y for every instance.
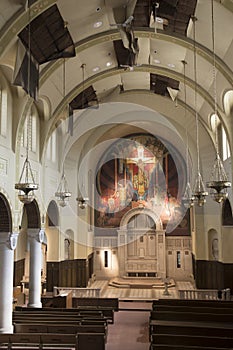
(161, 51)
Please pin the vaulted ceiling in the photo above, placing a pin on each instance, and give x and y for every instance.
(86, 33)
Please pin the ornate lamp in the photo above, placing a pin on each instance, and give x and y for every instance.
(218, 182)
(199, 192)
(188, 199)
(26, 184)
(82, 202)
(63, 194)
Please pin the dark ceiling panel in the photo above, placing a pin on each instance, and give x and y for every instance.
(160, 83)
(123, 55)
(85, 99)
(176, 12)
(49, 38)
(142, 13)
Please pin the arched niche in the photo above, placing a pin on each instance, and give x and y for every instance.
(69, 245)
(52, 214)
(213, 244)
(227, 219)
(33, 214)
(52, 232)
(6, 217)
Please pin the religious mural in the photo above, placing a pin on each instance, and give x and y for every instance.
(137, 171)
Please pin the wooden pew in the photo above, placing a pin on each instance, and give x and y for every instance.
(187, 308)
(107, 312)
(189, 302)
(84, 341)
(190, 317)
(209, 330)
(192, 340)
(62, 328)
(107, 305)
(180, 347)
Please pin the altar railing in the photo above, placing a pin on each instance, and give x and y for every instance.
(77, 292)
(205, 294)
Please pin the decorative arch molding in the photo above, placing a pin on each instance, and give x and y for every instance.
(15, 25)
(147, 33)
(137, 211)
(33, 214)
(6, 217)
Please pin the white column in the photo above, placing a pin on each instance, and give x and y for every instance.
(35, 238)
(8, 242)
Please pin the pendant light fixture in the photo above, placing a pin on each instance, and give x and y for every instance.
(188, 199)
(63, 194)
(199, 192)
(218, 183)
(82, 201)
(26, 184)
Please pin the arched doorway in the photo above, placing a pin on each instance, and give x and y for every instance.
(141, 244)
(6, 218)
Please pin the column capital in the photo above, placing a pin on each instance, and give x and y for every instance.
(36, 233)
(9, 240)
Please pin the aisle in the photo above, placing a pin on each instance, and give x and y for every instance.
(129, 332)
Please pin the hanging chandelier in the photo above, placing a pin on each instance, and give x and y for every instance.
(82, 202)
(26, 184)
(188, 199)
(218, 183)
(199, 192)
(63, 194)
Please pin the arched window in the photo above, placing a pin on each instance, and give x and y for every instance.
(51, 152)
(224, 147)
(3, 111)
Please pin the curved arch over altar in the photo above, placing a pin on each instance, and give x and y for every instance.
(141, 244)
(138, 211)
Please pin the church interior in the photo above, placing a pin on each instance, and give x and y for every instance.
(116, 134)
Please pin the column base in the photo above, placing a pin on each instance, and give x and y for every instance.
(38, 305)
(8, 330)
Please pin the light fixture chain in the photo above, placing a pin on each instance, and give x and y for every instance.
(186, 122)
(214, 78)
(195, 93)
(64, 78)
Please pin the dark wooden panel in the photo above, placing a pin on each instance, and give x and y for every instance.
(18, 271)
(210, 274)
(52, 275)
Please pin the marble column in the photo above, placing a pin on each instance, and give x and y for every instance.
(35, 265)
(8, 242)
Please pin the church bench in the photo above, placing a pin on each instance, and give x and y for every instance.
(190, 317)
(192, 329)
(180, 347)
(192, 340)
(190, 302)
(62, 328)
(83, 311)
(85, 341)
(112, 303)
(195, 309)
